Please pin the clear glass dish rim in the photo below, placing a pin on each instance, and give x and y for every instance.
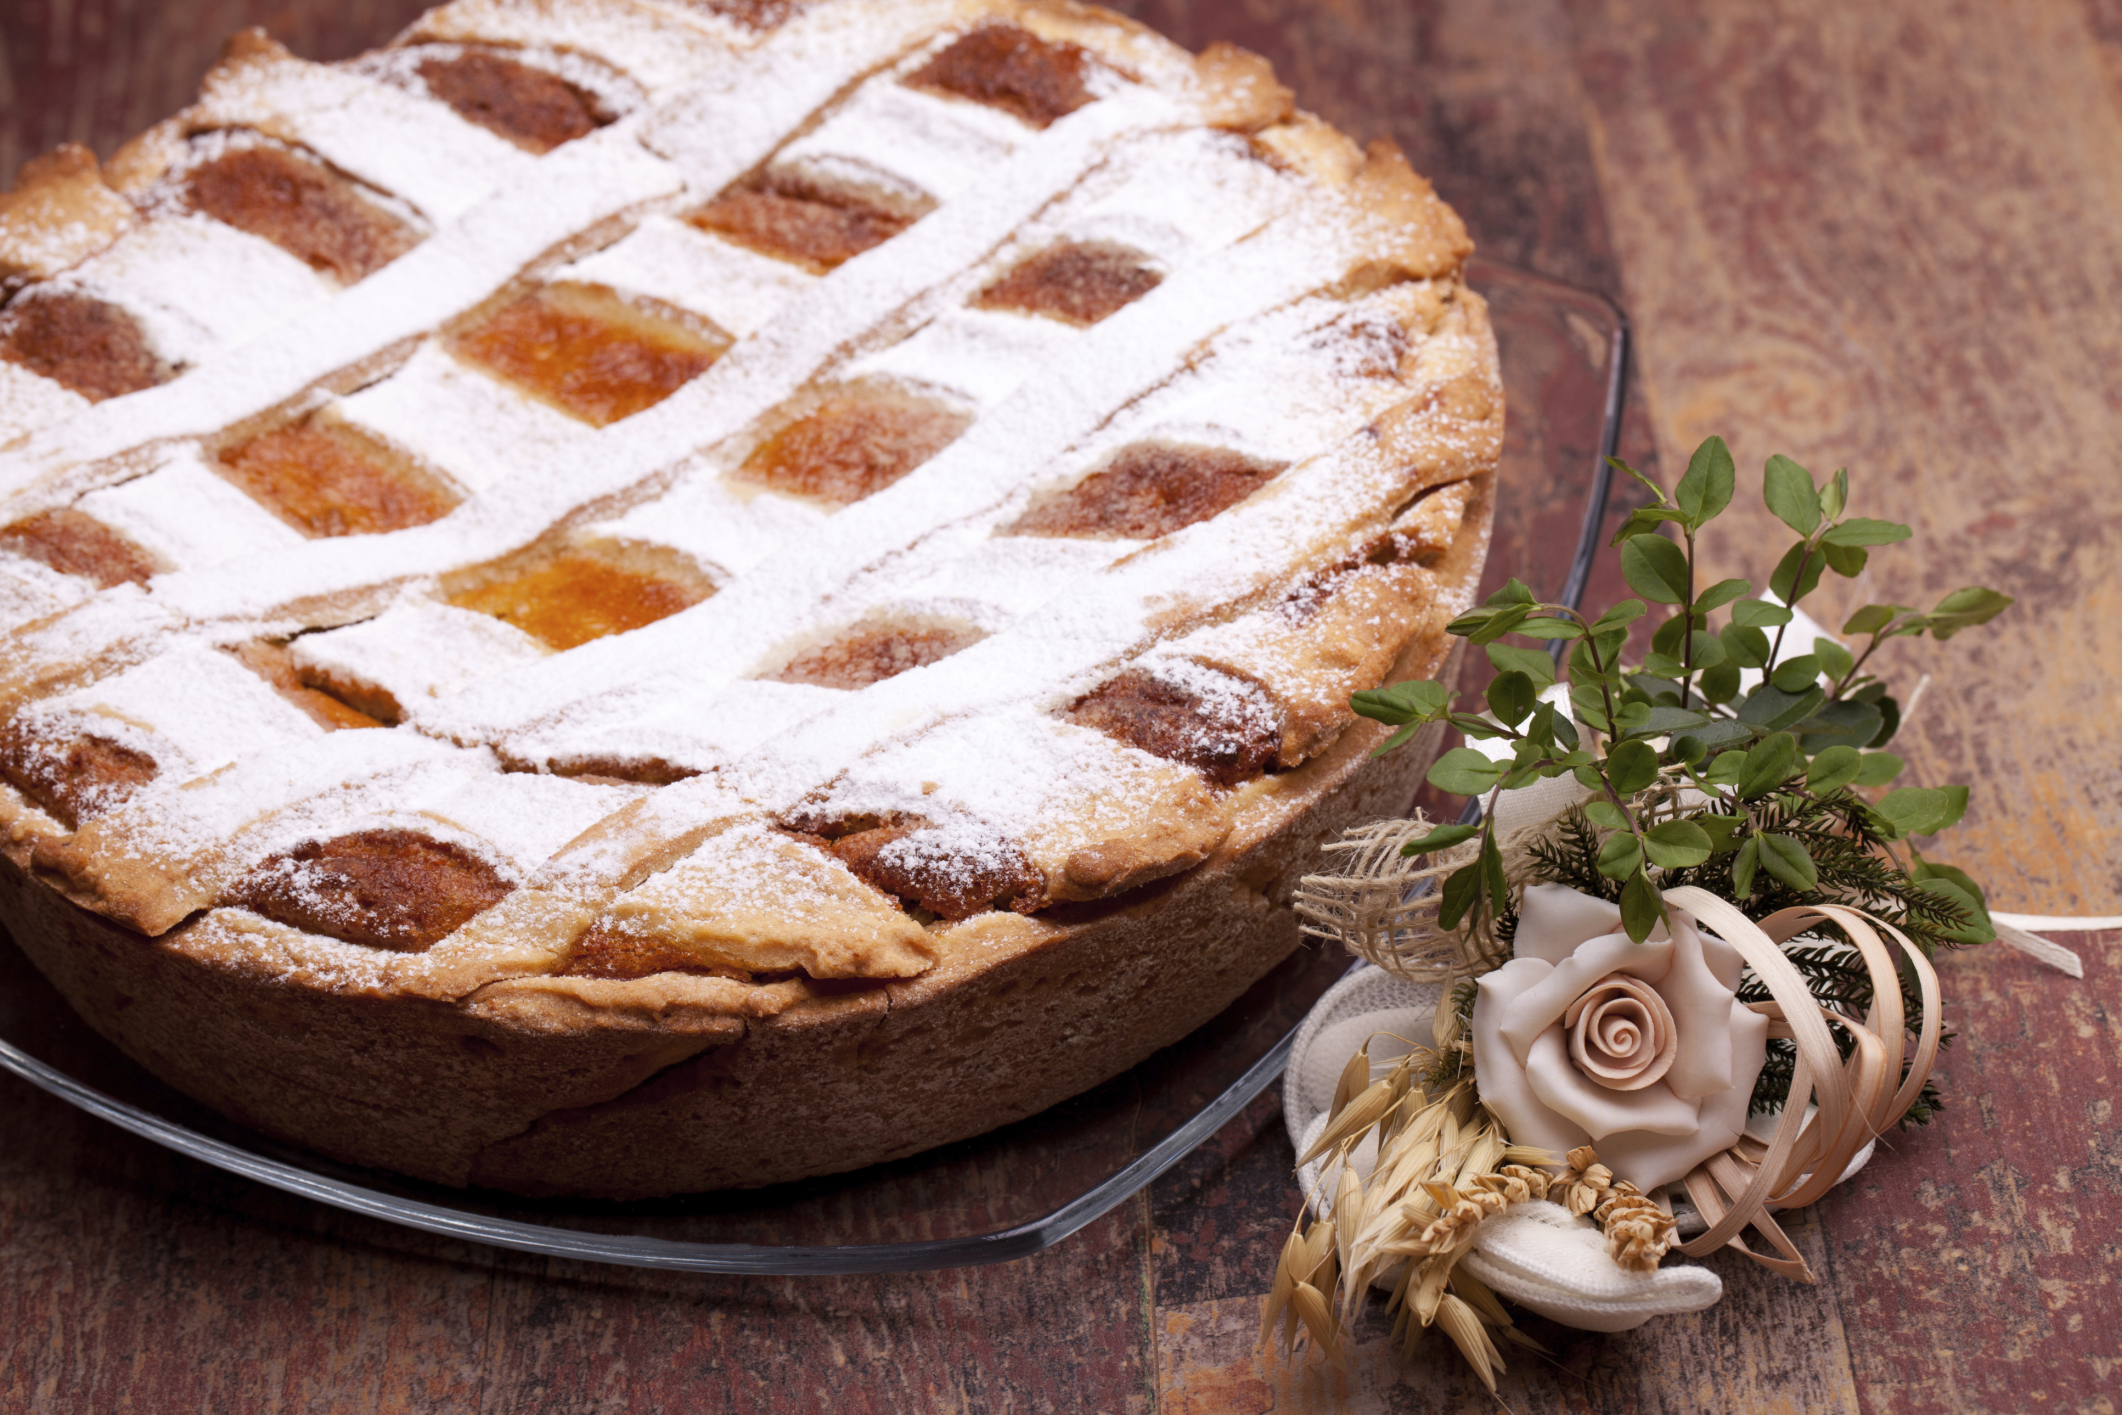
(996, 1246)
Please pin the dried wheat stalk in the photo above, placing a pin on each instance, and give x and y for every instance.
(1438, 1175)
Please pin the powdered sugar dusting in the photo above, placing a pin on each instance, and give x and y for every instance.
(196, 285)
(190, 708)
(665, 259)
(396, 141)
(1246, 344)
(188, 517)
(416, 651)
(29, 401)
(472, 428)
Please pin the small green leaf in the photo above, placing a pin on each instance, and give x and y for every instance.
(1723, 832)
(1539, 729)
(1642, 907)
(1688, 749)
(1605, 814)
(1515, 591)
(1631, 767)
(1848, 723)
(1978, 928)
(1666, 638)
(1872, 618)
(1470, 623)
(1511, 697)
(1769, 707)
(1676, 845)
(1706, 649)
(1759, 614)
(1720, 684)
(1836, 661)
(1478, 728)
(1726, 769)
(1620, 856)
(1889, 721)
(1772, 761)
(1744, 645)
(1550, 629)
(1415, 701)
(1788, 490)
(1743, 866)
(1862, 530)
(1878, 769)
(1720, 594)
(1917, 810)
(1955, 807)
(1492, 875)
(1664, 721)
(1626, 612)
(1498, 623)
(1795, 675)
(1462, 771)
(1789, 861)
(1834, 494)
(1837, 766)
(1462, 888)
(1533, 663)
(1589, 705)
(1706, 487)
(1722, 732)
(1785, 583)
(1931, 869)
(1655, 490)
(1965, 608)
(1655, 568)
(1848, 561)
(1645, 520)
(1442, 838)
(1630, 718)
(1398, 739)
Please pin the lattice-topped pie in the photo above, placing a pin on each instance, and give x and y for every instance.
(628, 596)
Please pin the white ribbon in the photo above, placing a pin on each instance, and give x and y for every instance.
(2015, 930)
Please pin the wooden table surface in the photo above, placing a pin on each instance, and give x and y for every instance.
(1885, 234)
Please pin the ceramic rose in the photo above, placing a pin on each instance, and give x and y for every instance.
(1639, 1049)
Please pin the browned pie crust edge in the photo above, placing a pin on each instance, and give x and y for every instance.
(1018, 1015)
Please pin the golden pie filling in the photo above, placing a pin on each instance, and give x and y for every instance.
(587, 564)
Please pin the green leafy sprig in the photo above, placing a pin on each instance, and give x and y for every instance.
(1780, 764)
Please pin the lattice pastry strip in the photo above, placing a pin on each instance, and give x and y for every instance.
(1170, 370)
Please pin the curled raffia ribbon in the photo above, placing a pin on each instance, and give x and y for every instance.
(1854, 1101)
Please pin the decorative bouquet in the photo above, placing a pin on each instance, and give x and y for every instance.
(1678, 977)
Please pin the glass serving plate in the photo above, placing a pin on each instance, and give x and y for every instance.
(1013, 1191)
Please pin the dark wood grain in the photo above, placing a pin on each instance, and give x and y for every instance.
(1883, 235)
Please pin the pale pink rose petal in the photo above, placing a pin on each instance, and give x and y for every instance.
(1700, 1005)
(1553, 919)
(1621, 1033)
(1542, 1007)
(1500, 1075)
(1647, 1160)
(1560, 1087)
